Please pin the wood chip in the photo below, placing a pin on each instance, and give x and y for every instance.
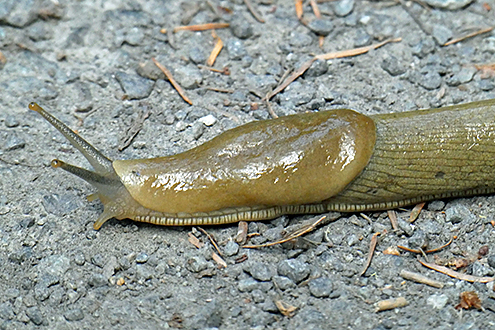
(120, 281)
(170, 78)
(253, 11)
(469, 299)
(285, 308)
(392, 215)
(415, 212)
(214, 53)
(391, 250)
(420, 278)
(469, 35)
(242, 230)
(454, 274)
(202, 27)
(3, 59)
(374, 240)
(218, 260)
(194, 241)
(388, 304)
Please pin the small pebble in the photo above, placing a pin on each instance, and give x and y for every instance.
(283, 283)
(196, 264)
(247, 285)
(486, 85)
(241, 27)
(418, 240)
(134, 86)
(258, 296)
(235, 49)
(189, 76)
(259, 271)
(491, 260)
(197, 130)
(11, 121)
(362, 38)
(294, 269)
(231, 248)
(448, 4)
(98, 260)
(208, 120)
(75, 314)
(424, 47)
(431, 80)
(458, 213)
(437, 301)
(56, 265)
(436, 206)
(97, 280)
(6, 311)
(197, 55)
(320, 287)
(321, 27)
(79, 258)
(441, 33)
(343, 7)
(13, 142)
(465, 75)
(298, 39)
(392, 66)
(141, 258)
(35, 315)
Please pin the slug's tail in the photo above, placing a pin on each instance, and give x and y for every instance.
(100, 163)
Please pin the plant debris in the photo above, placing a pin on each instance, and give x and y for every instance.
(469, 299)
(388, 304)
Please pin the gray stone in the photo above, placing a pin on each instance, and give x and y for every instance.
(321, 27)
(478, 269)
(318, 68)
(258, 296)
(392, 65)
(297, 94)
(458, 213)
(418, 240)
(231, 248)
(13, 142)
(486, 85)
(35, 315)
(449, 4)
(6, 311)
(18, 13)
(75, 314)
(207, 317)
(97, 280)
(320, 287)
(149, 70)
(196, 264)
(189, 76)
(298, 39)
(11, 121)
(235, 49)
(56, 265)
(436, 206)
(259, 271)
(98, 260)
(441, 33)
(260, 82)
(294, 269)
(283, 283)
(40, 31)
(197, 130)
(437, 301)
(491, 260)
(21, 255)
(362, 38)
(465, 75)
(241, 27)
(134, 86)
(343, 7)
(405, 226)
(141, 258)
(431, 80)
(197, 55)
(79, 258)
(424, 47)
(248, 285)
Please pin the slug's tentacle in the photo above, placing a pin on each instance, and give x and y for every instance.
(100, 163)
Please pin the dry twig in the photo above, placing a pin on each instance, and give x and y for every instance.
(194, 240)
(212, 240)
(374, 240)
(170, 78)
(201, 27)
(469, 35)
(427, 251)
(134, 129)
(214, 53)
(218, 260)
(392, 215)
(454, 274)
(293, 235)
(253, 11)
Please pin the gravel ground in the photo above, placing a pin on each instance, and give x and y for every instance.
(89, 63)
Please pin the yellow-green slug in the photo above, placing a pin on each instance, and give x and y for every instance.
(336, 160)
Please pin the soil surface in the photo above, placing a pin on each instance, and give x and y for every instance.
(89, 64)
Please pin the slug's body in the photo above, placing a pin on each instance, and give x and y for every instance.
(336, 160)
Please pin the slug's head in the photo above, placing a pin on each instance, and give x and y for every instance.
(111, 191)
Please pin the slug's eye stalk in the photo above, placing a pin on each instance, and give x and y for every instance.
(56, 163)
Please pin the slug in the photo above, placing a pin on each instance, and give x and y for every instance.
(338, 160)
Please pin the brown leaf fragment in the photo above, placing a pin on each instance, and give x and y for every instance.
(392, 215)
(391, 250)
(469, 299)
(135, 128)
(176, 321)
(388, 304)
(415, 212)
(285, 308)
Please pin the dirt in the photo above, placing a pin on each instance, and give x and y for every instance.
(89, 64)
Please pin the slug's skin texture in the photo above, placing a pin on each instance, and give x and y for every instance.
(336, 160)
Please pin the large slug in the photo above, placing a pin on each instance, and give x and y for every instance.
(336, 160)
